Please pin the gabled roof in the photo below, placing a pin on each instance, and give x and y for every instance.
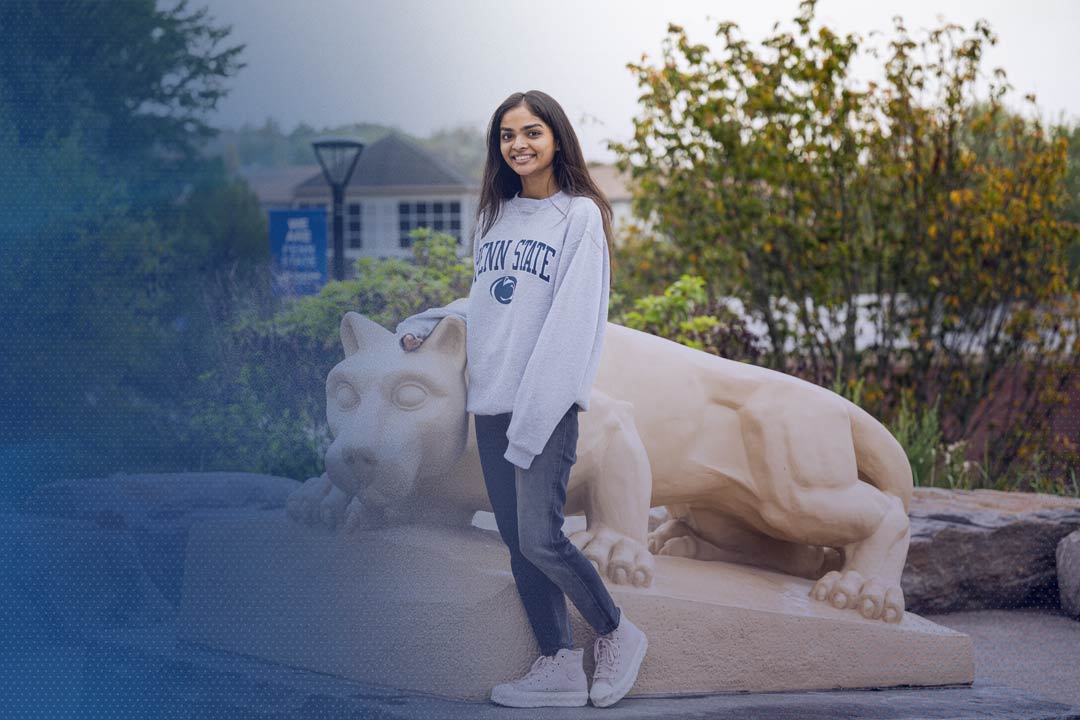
(395, 161)
(275, 185)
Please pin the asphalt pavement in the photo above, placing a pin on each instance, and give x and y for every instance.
(1034, 650)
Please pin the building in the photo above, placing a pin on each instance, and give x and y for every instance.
(275, 186)
(616, 187)
(397, 186)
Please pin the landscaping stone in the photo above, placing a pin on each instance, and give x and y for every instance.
(156, 511)
(979, 549)
(985, 549)
(969, 549)
(71, 582)
(77, 576)
(1068, 574)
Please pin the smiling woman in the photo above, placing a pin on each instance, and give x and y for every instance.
(536, 314)
(530, 150)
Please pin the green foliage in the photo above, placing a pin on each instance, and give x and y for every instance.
(248, 427)
(1071, 199)
(66, 287)
(685, 314)
(787, 184)
(852, 389)
(935, 463)
(222, 226)
(920, 436)
(464, 147)
(647, 266)
(386, 290)
(1051, 485)
(263, 406)
(106, 306)
(133, 79)
(111, 224)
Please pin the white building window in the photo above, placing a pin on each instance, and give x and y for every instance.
(439, 215)
(353, 225)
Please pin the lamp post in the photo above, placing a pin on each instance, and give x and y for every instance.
(338, 157)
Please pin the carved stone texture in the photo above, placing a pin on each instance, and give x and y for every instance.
(755, 466)
(435, 610)
(1068, 574)
(981, 549)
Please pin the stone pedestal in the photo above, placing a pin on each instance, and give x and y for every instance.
(435, 610)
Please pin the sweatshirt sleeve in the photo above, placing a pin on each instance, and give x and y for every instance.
(566, 351)
(423, 323)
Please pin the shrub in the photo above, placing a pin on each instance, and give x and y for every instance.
(263, 406)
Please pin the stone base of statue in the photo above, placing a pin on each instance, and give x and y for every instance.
(435, 610)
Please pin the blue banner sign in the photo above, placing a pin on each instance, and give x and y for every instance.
(298, 247)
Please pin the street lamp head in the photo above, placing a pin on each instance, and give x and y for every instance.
(338, 157)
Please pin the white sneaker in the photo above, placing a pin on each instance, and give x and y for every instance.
(618, 659)
(557, 681)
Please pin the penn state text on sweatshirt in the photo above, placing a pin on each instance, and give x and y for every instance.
(535, 316)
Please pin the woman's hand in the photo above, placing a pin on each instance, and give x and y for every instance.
(410, 342)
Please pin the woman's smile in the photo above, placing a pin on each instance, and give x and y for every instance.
(528, 146)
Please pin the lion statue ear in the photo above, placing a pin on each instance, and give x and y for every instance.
(448, 338)
(357, 331)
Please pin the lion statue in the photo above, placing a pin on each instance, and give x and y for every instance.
(754, 466)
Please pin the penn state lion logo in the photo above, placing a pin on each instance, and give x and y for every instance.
(503, 289)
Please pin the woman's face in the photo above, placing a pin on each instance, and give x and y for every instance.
(526, 143)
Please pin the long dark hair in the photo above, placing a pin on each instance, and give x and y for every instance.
(570, 172)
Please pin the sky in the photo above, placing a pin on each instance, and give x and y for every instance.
(424, 65)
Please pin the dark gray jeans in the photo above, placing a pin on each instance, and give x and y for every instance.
(528, 506)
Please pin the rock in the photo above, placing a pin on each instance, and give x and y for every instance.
(984, 549)
(147, 500)
(1068, 574)
(156, 511)
(969, 550)
(71, 582)
(980, 549)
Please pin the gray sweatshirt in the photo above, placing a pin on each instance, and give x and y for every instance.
(536, 315)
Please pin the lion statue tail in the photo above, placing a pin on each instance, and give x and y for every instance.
(880, 458)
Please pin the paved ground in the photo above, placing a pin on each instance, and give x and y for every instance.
(1027, 668)
(1037, 651)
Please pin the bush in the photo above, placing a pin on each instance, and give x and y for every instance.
(684, 313)
(263, 406)
(789, 184)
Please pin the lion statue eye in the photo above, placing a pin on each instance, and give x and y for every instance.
(409, 396)
(346, 396)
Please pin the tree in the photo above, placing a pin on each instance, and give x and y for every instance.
(1071, 212)
(793, 188)
(133, 81)
(110, 221)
